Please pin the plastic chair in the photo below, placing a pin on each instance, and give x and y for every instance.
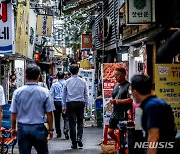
(106, 138)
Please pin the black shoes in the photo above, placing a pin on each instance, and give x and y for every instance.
(79, 142)
(74, 146)
(58, 135)
(66, 136)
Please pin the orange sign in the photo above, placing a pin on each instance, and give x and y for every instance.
(86, 41)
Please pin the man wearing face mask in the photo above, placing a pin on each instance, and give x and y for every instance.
(157, 118)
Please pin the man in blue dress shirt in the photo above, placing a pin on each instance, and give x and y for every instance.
(56, 93)
(31, 104)
(75, 99)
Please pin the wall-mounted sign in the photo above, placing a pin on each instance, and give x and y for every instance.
(44, 25)
(139, 11)
(6, 28)
(167, 87)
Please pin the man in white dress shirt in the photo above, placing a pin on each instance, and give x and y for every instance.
(74, 100)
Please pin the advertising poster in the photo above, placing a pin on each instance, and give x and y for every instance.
(167, 79)
(6, 28)
(88, 76)
(108, 82)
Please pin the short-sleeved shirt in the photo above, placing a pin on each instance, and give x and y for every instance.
(120, 91)
(31, 102)
(158, 114)
(2, 97)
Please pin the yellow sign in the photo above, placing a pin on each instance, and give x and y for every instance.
(44, 25)
(167, 79)
(22, 31)
(85, 64)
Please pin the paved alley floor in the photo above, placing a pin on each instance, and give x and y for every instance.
(91, 138)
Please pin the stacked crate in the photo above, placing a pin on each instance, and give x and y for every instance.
(6, 120)
(99, 112)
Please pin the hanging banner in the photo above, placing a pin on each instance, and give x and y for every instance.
(44, 25)
(6, 28)
(167, 87)
(108, 83)
(139, 11)
(22, 30)
(86, 41)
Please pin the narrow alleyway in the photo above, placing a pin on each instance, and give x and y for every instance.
(92, 137)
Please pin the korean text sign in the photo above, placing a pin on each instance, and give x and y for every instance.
(6, 28)
(167, 87)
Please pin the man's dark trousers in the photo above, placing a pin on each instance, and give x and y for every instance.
(75, 112)
(57, 117)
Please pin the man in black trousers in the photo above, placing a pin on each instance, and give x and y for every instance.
(56, 93)
(75, 99)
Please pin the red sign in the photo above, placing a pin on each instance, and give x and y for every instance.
(108, 85)
(3, 15)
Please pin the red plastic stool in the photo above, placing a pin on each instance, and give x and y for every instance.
(106, 139)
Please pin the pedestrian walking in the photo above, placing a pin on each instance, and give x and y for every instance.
(157, 118)
(75, 100)
(121, 102)
(56, 93)
(30, 106)
(12, 85)
(42, 83)
(2, 102)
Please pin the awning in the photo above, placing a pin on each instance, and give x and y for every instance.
(169, 49)
(81, 4)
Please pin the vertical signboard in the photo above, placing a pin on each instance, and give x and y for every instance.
(19, 68)
(6, 28)
(108, 83)
(139, 11)
(167, 79)
(88, 76)
(22, 30)
(44, 25)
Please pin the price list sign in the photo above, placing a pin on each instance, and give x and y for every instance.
(167, 86)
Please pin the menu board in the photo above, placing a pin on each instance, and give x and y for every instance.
(167, 87)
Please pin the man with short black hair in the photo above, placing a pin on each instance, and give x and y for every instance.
(157, 118)
(30, 106)
(121, 101)
(75, 99)
(56, 93)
